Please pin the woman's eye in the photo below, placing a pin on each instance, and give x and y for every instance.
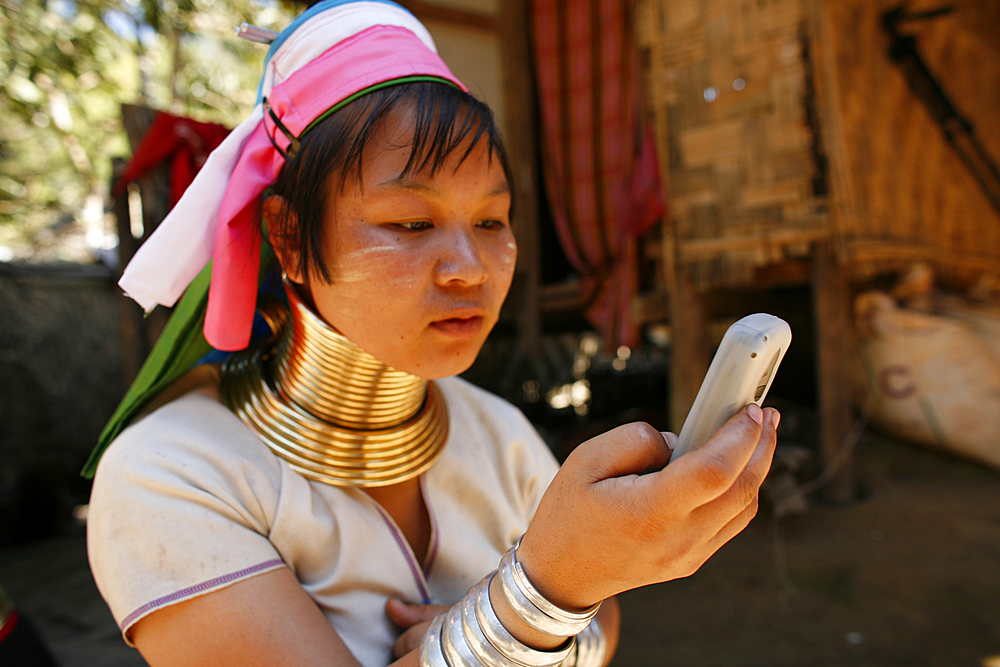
(415, 226)
(492, 224)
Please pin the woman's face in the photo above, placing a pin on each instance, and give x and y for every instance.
(420, 264)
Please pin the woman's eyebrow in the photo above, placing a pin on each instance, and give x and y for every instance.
(407, 183)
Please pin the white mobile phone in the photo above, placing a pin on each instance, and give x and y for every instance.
(741, 373)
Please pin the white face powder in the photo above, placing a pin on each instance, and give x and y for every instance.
(363, 264)
(509, 259)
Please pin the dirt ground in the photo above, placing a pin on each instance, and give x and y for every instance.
(907, 575)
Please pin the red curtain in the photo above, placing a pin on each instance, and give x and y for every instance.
(600, 167)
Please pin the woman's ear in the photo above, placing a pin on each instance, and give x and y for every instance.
(281, 225)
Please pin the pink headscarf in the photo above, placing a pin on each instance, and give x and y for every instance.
(337, 49)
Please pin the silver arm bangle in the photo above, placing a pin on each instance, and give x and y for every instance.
(497, 635)
(470, 635)
(532, 607)
(486, 653)
(591, 646)
(457, 650)
(431, 653)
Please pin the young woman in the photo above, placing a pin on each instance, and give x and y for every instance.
(332, 494)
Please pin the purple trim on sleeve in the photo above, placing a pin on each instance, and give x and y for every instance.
(197, 588)
(407, 553)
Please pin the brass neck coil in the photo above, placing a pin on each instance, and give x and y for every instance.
(333, 411)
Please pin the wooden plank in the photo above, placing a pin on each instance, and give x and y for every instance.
(822, 57)
(522, 143)
(681, 14)
(705, 145)
(741, 158)
(774, 193)
(861, 251)
(694, 250)
(753, 99)
(781, 16)
(689, 351)
(908, 183)
(683, 47)
(831, 298)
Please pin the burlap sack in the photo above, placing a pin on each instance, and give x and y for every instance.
(932, 379)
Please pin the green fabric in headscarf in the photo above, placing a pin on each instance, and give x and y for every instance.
(180, 346)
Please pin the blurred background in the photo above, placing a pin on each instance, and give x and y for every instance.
(679, 164)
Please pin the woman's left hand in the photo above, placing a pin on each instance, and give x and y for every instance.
(415, 618)
(604, 527)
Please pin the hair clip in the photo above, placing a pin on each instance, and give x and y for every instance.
(255, 34)
(293, 141)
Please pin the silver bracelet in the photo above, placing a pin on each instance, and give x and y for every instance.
(505, 642)
(487, 654)
(431, 653)
(532, 607)
(454, 644)
(591, 646)
(470, 635)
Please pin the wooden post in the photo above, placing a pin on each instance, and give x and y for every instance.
(831, 298)
(522, 146)
(133, 331)
(155, 190)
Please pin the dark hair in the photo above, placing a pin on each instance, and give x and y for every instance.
(445, 119)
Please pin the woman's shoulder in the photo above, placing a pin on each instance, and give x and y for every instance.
(192, 436)
(182, 504)
(196, 415)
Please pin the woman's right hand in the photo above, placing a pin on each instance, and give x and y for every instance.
(602, 527)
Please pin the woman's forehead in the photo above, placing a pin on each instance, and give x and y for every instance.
(388, 158)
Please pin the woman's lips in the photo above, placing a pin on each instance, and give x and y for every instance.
(459, 327)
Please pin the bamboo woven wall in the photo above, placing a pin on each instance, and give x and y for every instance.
(824, 139)
(727, 83)
(901, 190)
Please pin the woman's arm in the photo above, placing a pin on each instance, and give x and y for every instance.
(601, 528)
(266, 620)
(416, 618)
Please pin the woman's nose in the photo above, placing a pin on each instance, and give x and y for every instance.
(460, 260)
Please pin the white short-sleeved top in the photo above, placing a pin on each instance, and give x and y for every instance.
(189, 500)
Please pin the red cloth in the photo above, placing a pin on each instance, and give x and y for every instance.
(601, 171)
(185, 142)
(9, 624)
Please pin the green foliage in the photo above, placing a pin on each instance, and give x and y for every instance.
(66, 66)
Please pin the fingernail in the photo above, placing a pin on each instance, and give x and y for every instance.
(755, 412)
(775, 419)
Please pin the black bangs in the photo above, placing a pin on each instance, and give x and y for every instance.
(445, 120)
